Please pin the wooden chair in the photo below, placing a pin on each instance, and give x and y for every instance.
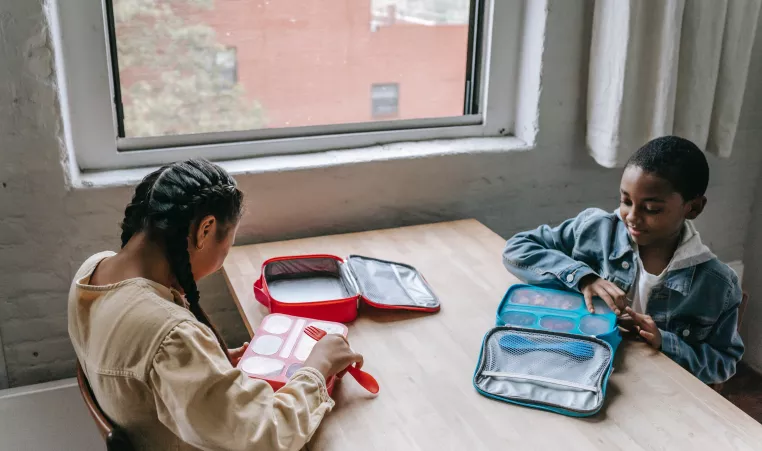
(116, 439)
(741, 308)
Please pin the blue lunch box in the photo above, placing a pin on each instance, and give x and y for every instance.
(557, 311)
(548, 352)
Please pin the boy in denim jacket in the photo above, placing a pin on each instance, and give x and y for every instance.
(646, 260)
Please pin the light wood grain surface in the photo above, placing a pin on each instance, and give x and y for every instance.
(425, 363)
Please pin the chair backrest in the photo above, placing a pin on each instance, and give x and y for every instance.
(116, 439)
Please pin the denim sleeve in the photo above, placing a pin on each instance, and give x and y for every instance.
(543, 256)
(713, 361)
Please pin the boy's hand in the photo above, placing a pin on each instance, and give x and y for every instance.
(646, 328)
(611, 294)
(237, 353)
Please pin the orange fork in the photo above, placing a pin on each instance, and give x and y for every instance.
(366, 380)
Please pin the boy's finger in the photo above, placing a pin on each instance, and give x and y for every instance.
(616, 307)
(625, 322)
(644, 320)
(637, 317)
(617, 294)
(589, 301)
(648, 336)
(614, 289)
(621, 301)
(603, 294)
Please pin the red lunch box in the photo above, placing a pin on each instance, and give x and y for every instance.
(280, 347)
(329, 288)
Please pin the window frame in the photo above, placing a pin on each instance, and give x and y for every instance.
(89, 111)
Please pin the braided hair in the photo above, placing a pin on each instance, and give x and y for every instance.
(167, 205)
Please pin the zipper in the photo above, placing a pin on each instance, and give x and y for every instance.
(547, 380)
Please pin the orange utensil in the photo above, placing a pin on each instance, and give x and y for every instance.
(367, 381)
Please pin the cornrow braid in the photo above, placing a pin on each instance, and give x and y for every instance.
(169, 204)
(134, 213)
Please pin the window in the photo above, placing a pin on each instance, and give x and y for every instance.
(151, 81)
(385, 100)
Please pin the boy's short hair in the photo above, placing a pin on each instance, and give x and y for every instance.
(676, 160)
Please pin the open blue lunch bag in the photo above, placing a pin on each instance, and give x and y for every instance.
(548, 352)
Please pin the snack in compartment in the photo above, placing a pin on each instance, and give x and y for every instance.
(515, 318)
(293, 368)
(557, 323)
(544, 299)
(594, 325)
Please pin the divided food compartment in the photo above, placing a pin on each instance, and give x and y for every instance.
(330, 288)
(280, 347)
(554, 310)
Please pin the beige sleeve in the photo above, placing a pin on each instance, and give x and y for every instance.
(211, 405)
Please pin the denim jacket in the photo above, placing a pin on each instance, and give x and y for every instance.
(695, 305)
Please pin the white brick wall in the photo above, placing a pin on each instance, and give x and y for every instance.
(46, 231)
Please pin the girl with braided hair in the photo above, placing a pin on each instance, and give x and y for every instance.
(157, 366)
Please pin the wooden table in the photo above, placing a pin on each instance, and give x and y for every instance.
(424, 363)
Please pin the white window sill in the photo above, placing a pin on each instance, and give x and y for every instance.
(270, 164)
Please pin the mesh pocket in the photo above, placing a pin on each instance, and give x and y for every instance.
(390, 283)
(542, 368)
(554, 358)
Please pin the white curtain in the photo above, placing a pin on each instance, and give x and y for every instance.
(667, 67)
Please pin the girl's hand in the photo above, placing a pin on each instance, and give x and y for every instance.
(611, 294)
(646, 328)
(331, 355)
(237, 353)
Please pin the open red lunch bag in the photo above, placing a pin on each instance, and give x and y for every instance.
(329, 288)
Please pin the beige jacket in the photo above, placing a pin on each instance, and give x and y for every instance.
(160, 374)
